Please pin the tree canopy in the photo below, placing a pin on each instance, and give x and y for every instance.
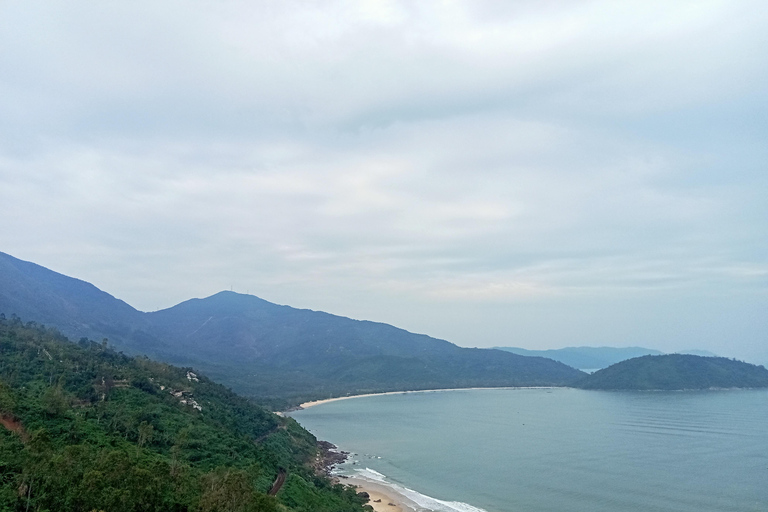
(85, 428)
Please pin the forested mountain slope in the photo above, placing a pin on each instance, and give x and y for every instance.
(86, 428)
(335, 355)
(75, 307)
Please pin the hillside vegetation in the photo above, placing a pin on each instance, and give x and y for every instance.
(85, 428)
(677, 372)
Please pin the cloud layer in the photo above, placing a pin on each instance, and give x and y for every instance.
(536, 174)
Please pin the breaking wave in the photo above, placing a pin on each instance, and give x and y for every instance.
(417, 500)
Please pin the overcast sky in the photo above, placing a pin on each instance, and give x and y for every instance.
(536, 174)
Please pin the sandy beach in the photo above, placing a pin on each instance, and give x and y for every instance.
(327, 400)
(383, 498)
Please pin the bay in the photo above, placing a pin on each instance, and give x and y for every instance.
(558, 450)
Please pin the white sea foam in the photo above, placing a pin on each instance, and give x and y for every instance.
(418, 500)
(371, 474)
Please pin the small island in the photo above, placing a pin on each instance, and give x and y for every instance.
(676, 372)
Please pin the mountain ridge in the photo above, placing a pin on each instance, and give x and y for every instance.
(267, 350)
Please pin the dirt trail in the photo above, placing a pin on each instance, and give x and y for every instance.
(278, 483)
(269, 433)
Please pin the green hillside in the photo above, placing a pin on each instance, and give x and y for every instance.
(677, 372)
(85, 428)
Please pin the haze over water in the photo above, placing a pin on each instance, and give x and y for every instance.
(560, 450)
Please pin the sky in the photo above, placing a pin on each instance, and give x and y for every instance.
(537, 174)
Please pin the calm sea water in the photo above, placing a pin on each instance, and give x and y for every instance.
(559, 450)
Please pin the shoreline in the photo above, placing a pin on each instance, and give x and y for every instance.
(382, 498)
(398, 498)
(313, 403)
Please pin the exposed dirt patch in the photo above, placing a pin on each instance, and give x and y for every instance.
(14, 425)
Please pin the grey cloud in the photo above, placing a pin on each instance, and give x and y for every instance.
(463, 169)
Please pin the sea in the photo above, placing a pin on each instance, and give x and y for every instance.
(556, 450)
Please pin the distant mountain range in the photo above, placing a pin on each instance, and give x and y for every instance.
(265, 350)
(676, 372)
(594, 358)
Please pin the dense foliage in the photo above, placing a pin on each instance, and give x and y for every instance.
(675, 372)
(85, 428)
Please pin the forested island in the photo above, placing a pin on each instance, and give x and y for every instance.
(676, 372)
(85, 428)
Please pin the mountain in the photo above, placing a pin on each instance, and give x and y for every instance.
(34, 292)
(332, 354)
(676, 372)
(587, 358)
(84, 428)
(75, 307)
(276, 353)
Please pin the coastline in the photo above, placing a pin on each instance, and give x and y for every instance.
(398, 498)
(382, 498)
(386, 496)
(313, 403)
(489, 475)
